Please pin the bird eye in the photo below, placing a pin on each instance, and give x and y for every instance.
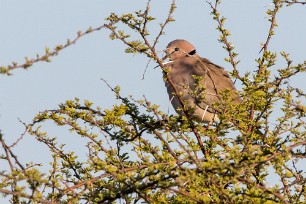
(176, 49)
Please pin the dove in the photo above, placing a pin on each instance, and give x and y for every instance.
(193, 83)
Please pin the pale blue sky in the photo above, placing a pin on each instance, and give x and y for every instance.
(27, 27)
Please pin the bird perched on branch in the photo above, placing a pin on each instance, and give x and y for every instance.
(194, 83)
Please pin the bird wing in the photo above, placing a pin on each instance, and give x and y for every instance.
(216, 79)
(200, 97)
(182, 82)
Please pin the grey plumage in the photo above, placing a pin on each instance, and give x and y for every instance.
(187, 67)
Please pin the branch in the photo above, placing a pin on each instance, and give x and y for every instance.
(15, 193)
(229, 47)
(294, 2)
(89, 181)
(165, 125)
(21, 136)
(278, 195)
(185, 193)
(288, 149)
(46, 57)
(9, 154)
(277, 5)
(168, 20)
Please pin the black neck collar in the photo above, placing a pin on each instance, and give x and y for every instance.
(192, 52)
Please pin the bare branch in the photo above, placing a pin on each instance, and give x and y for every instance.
(46, 57)
(291, 2)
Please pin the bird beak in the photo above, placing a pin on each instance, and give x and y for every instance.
(165, 63)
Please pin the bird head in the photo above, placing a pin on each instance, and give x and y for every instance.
(179, 48)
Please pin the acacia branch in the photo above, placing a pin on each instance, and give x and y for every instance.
(21, 136)
(294, 2)
(30, 197)
(163, 122)
(185, 193)
(9, 153)
(273, 24)
(168, 20)
(288, 149)
(262, 187)
(46, 57)
(128, 169)
(229, 47)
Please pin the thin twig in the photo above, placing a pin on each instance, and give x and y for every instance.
(224, 40)
(55, 52)
(143, 75)
(168, 20)
(270, 34)
(294, 2)
(21, 136)
(16, 193)
(8, 152)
